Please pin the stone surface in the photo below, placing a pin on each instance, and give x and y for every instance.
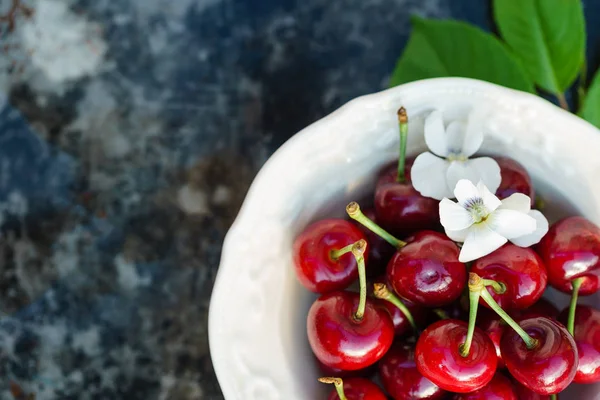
(130, 131)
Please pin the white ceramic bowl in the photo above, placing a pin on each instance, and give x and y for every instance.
(257, 327)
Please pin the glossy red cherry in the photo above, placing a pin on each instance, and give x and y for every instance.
(571, 249)
(339, 340)
(542, 308)
(587, 337)
(314, 249)
(524, 393)
(515, 179)
(401, 378)
(400, 208)
(519, 270)
(499, 388)
(354, 389)
(438, 357)
(550, 365)
(380, 251)
(427, 271)
(494, 326)
(326, 370)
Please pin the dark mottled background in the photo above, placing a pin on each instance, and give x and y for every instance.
(129, 133)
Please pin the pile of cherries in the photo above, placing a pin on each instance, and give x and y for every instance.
(427, 326)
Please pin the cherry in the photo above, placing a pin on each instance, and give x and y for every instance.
(499, 388)
(427, 271)
(346, 330)
(587, 337)
(399, 207)
(546, 362)
(571, 250)
(380, 251)
(515, 179)
(494, 326)
(329, 371)
(353, 389)
(322, 255)
(440, 357)
(401, 378)
(520, 273)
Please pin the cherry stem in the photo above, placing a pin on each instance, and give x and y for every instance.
(354, 212)
(403, 122)
(499, 287)
(358, 250)
(530, 342)
(473, 305)
(441, 313)
(576, 283)
(553, 396)
(336, 254)
(339, 385)
(381, 291)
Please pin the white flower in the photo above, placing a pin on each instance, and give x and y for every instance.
(436, 177)
(485, 223)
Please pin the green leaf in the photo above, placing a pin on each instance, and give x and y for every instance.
(547, 35)
(452, 48)
(590, 110)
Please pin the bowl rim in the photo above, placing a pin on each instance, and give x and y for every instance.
(429, 86)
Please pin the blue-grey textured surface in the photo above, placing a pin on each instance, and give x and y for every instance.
(129, 133)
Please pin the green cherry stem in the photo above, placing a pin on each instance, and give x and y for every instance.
(475, 289)
(339, 385)
(358, 250)
(553, 396)
(336, 254)
(499, 287)
(381, 291)
(441, 313)
(403, 122)
(354, 212)
(476, 283)
(576, 283)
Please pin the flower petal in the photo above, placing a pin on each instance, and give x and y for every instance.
(518, 202)
(540, 230)
(435, 134)
(484, 169)
(457, 236)
(455, 136)
(490, 201)
(428, 176)
(473, 136)
(465, 191)
(511, 224)
(480, 241)
(453, 216)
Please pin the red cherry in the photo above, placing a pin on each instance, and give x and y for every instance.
(494, 326)
(525, 394)
(587, 336)
(316, 268)
(439, 358)
(380, 251)
(543, 308)
(401, 378)
(550, 366)
(521, 272)
(515, 179)
(570, 250)
(427, 271)
(400, 208)
(339, 340)
(354, 389)
(499, 388)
